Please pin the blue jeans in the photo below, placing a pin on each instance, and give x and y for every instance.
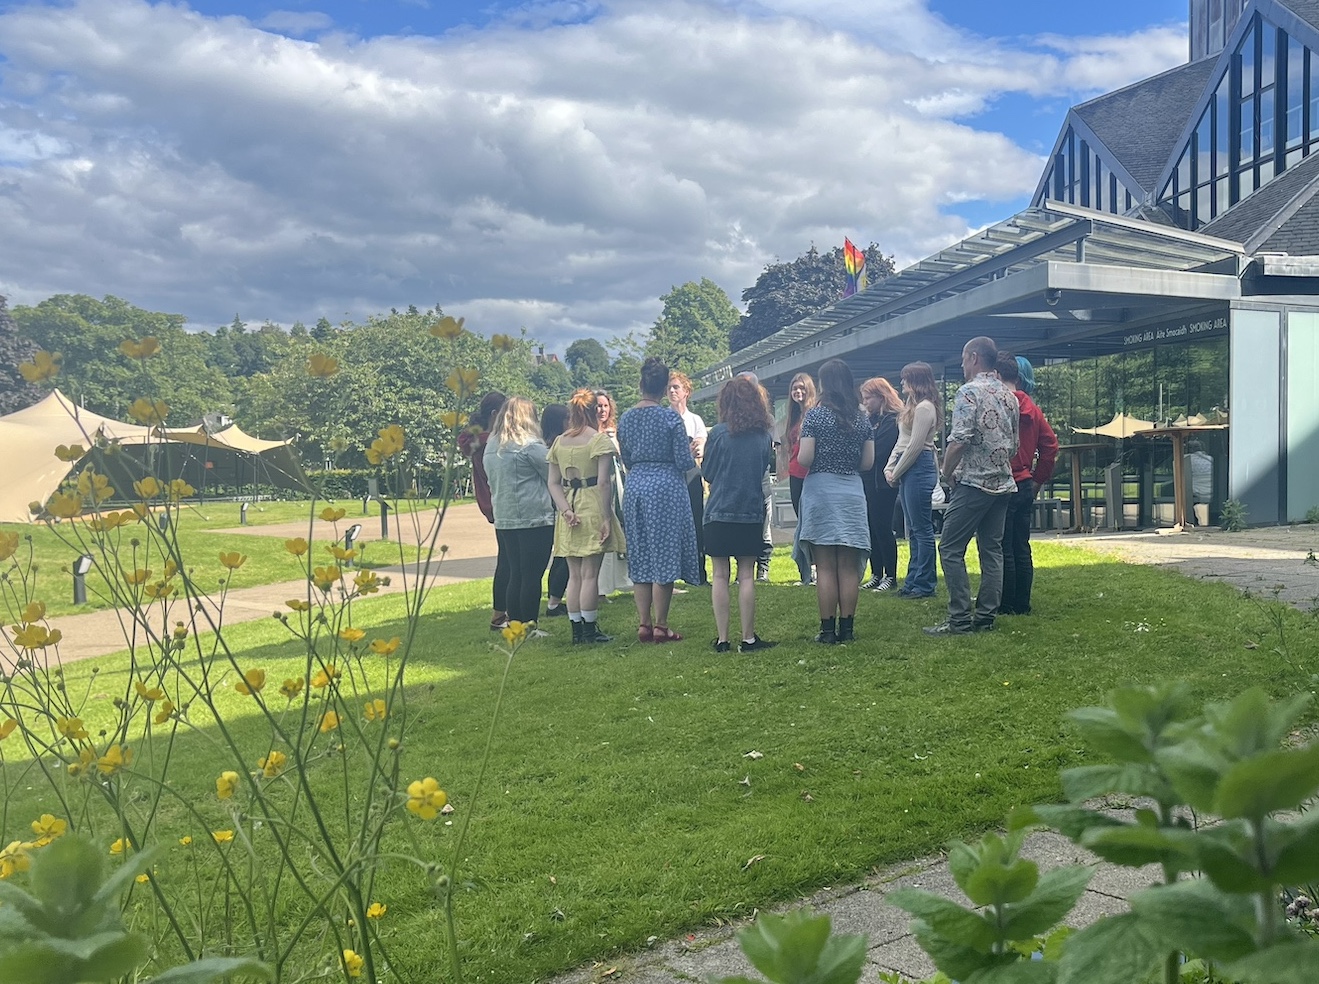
(914, 490)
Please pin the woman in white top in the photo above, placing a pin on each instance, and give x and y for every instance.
(680, 391)
(911, 470)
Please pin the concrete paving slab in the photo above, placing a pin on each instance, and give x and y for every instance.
(1122, 883)
(868, 913)
(1092, 906)
(903, 955)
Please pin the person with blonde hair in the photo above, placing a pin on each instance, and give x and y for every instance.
(883, 404)
(801, 397)
(613, 569)
(517, 469)
(911, 469)
(737, 459)
(581, 467)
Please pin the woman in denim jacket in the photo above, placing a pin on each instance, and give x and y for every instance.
(737, 456)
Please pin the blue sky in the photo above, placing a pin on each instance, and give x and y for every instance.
(553, 164)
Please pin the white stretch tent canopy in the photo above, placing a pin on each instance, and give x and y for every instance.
(28, 439)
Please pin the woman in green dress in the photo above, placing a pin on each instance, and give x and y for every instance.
(581, 485)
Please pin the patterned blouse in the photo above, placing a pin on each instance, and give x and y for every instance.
(836, 451)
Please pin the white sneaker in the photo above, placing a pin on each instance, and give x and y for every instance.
(886, 584)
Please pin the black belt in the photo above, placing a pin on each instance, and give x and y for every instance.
(580, 483)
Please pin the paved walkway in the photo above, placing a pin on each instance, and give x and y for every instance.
(1279, 560)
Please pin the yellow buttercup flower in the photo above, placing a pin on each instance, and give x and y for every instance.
(352, 963)
(226, 785)
(298, 605)
(222, 836)
(325, 577)
(324, 676)
(425, 798)
(453, 420)
(49, 826)
(8, 544)
(291, 687)
(111, 520)
(340, 554)
(463, 381)
(143, 878)
(376, 910)
(86, 759)
(143, 349)
(382, 648)
(329, 722)
(514, 632)
(71, 728)
(148, 488)
(164, 713)
(34, 611)
(366, 582)
(352, 635)
(322, 366)
(13, 858)
(116, 757)
(389, 443)
(272, 764)
(93, 486)
(34, 637)
(119, 846)
(375, 710)
(152, 413)
(69, 452)
(136, 577)
(44, 365)
(447, 327)
(149, 694)
(179, 489)
(160, 590)
(332, 515)
(185, 840)
(233, 560)
(7, 727)
(64, 505)
(503, 343)
(252, 682)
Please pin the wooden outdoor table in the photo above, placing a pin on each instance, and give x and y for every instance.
(1077, 450)
(1178, 435)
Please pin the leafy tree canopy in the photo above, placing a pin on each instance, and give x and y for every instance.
(787, 292)
(588, 362)
(15, 391)
(693, 329)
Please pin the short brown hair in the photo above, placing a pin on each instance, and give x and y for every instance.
(744, 406)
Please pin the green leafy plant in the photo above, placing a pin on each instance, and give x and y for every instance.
(1312, 514)
(68, 929)
(1233, 515)
(799, 949)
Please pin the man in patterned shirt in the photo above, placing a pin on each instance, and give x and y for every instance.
(978, 464)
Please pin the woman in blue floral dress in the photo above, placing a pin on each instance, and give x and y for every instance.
(657, 515)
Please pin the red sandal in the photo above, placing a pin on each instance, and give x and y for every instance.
(662, 633)
(645, 633)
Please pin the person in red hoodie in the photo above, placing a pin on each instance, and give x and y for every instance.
(1032, 466)
(471, 444)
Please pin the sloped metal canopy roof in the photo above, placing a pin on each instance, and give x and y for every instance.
(1035, 282)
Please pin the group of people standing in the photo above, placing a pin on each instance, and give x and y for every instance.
(554, 488)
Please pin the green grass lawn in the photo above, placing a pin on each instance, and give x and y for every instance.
(54, 549)
(621, 802)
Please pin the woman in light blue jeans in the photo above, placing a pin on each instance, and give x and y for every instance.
(911, 469)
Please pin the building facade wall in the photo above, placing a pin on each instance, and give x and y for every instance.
(1255, 449)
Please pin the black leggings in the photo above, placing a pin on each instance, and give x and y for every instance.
(883, 543)
(794, 490)
(696, 492)
(558, 586)
(528, 554)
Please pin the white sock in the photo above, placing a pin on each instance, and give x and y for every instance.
(589, 616)
(574, 616)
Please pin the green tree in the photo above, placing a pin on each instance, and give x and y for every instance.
(550, 383)
(588, 362)
(787, 292)
(87, 332)
(692, 330)
(15, 391)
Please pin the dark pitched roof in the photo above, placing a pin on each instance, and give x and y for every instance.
(1272, 211)
(1299, 235)
(1139, 124)
(1307, 10)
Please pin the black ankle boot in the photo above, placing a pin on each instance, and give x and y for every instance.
(578, 636)
(827, 633)
(591, 633)
(845, 629)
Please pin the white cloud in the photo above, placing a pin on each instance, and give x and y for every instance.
(296, 22)
(559, 178)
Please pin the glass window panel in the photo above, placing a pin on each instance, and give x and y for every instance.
(1183, 174)
(1216, 39)
(1113, 187)
(1101, 184)
(1294, 112)
(1204, 159)
(1294, 156)
(1246, 60)
(1084, 178)
(1222, 128)
(1221, 200)
(1268, 36)
(1199, 30)
(1247, 131)
(1203, 207)
(1266, 123)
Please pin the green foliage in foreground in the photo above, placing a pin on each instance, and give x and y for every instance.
(624, 802)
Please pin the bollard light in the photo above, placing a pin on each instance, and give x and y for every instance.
(80, 568)
(384, 520)
(350, 536)
(163, 522)
(242, 514)
(366, 504)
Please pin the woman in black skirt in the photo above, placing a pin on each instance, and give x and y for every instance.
(737, 456)
(883, 405)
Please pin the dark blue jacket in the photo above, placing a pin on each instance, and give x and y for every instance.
(735, 466)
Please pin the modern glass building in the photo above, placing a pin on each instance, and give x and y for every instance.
(1167, 268)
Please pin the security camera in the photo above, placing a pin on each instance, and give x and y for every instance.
(1052, 296)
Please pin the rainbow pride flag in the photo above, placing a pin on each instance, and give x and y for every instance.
(855, 261)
